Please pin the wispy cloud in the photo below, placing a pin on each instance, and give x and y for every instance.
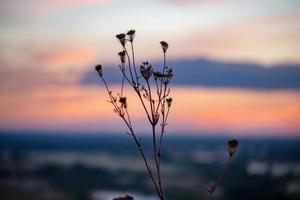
(64, 56)
(45, 6)
(267, 40)
(52, 56)
(29, 79)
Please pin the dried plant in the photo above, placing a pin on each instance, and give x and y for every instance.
(154, 98)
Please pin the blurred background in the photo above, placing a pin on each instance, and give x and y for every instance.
(236, 74)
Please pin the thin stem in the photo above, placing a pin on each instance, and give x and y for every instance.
(164, 62)
(223, 171)
(164, 67)
(129, 125)
(144, 106)
(154, 140)
(143, 156)
(128, 116)
(129, 65)
(139, 95)
(123, 79)
(133, 61)
(151, 101)
(126, 77)
(164, 123)
(157, 162)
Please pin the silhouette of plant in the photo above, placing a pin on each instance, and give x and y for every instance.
(154, 98)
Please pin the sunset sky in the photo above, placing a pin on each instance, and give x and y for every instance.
(47, 47)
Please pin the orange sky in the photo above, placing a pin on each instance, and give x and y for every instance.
(78, 108)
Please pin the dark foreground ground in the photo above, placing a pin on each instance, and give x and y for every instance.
(97, 167)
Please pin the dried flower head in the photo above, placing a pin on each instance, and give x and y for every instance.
(169, 101)
(122, 55)
(232, 146)
(146, 70)
(131, 35)
(123, 102)
(122, 38)
(164, 46)
(98, 69)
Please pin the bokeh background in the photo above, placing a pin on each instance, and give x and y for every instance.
(237, 74)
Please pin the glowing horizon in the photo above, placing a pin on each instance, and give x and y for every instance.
(195, 109)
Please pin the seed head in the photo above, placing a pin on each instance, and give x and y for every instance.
(122, 56)
(169, 101)
(164, 46)
(98, 69)
(131, 35)
(122, 38)
(232, 146)
(123, 102)
(146, 70)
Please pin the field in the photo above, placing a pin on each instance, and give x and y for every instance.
(99, 167)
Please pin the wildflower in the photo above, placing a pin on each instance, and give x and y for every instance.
(122, 56)
(169, 101)
(146, 70)
(232, 146)
(122, 38)
(123, 102)
(98, 69)
(164, 46)
(131, 35)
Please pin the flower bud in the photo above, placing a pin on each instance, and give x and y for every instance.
(122, 56)
(98, 69)
(131, 35)
(232, 146)
(123, 102)
(122, 38)
(169, 101)
(146, 70)
(164, 46)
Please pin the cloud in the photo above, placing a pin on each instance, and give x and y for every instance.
(201, 72)
(264, 39)
(64, 56)
(191, 2)
(50, 55)
(14, 80)
(44, 7)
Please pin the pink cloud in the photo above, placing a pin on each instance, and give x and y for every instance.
(64, 56)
